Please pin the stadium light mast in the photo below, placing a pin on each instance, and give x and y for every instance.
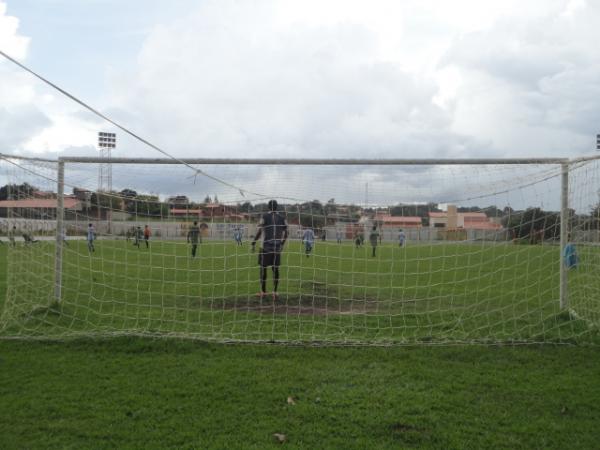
(106, 142)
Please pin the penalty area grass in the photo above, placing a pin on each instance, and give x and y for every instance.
(148, 393)
(145, 393)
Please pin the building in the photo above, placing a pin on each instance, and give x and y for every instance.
(387, 221)
(38, 208)
(178, 200)
(184, 212)
(451, 219)
(209, 212)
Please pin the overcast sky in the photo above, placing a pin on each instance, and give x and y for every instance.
(283, 78)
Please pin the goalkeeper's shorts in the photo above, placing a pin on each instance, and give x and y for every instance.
(269, 258)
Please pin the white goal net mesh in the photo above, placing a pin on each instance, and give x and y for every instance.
(376, 254)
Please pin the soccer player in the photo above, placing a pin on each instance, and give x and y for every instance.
(147, 234)
(357, 241)
(338, 236)
(308, 239)
(401, 238)
(193, 237)
(237, 235)
(570, 256)
(274, 229)
(374, 238)
(91, 237)
(11, 235)
(28, 238)
(138, 235)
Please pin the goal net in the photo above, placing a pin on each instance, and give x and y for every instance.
(380, 252)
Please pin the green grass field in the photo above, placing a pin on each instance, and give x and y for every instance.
(423, 293)
(144, 392)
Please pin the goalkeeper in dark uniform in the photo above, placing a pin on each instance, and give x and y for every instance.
(274, 230)
(193, 237)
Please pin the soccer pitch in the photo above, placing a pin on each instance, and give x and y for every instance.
(422, 293)
(147, 393)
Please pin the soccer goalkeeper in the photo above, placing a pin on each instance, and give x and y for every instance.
(274, 230)
(193, 237)
(374, 239)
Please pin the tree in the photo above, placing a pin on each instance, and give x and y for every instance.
(330, 207)
(246, 207)
(533, 225)
(508, 211)
(17, 191)
(594, 219)
(147, 205)
(207, 199)
(128, 193)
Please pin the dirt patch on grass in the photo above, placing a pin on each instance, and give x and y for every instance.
(314, 299)
(302, 304)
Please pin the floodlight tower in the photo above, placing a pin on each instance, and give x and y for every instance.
(106, 142)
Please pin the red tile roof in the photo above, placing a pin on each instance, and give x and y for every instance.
(398, 219)
(473, 215)
(41, 203)
(467, 215)
(482, 226)
(177, 211)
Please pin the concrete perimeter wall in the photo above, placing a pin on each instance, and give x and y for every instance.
(178, 230)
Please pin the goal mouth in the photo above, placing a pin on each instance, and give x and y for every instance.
(306, 304)
(376, 252)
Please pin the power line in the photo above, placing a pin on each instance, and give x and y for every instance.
(122, 128)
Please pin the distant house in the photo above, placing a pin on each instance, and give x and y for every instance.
(43, 194)
(38, 208)
(218, 210)
(210, 211)
(388, 221)
(467, 221)
(178, 200)
(183, 212)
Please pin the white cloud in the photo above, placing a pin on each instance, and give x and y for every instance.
(395, 79)
(11, 42)
(33, 118)
(243, 81)
(529, 85)
(19, 115)
(345, 79)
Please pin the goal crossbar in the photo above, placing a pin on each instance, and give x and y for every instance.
(316, 161)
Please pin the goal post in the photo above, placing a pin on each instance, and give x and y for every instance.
(60, 213)
(438, 251)
(564, 231)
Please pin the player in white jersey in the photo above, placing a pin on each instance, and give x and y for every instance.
(91, 237)
(308, 239)
(401, 238)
